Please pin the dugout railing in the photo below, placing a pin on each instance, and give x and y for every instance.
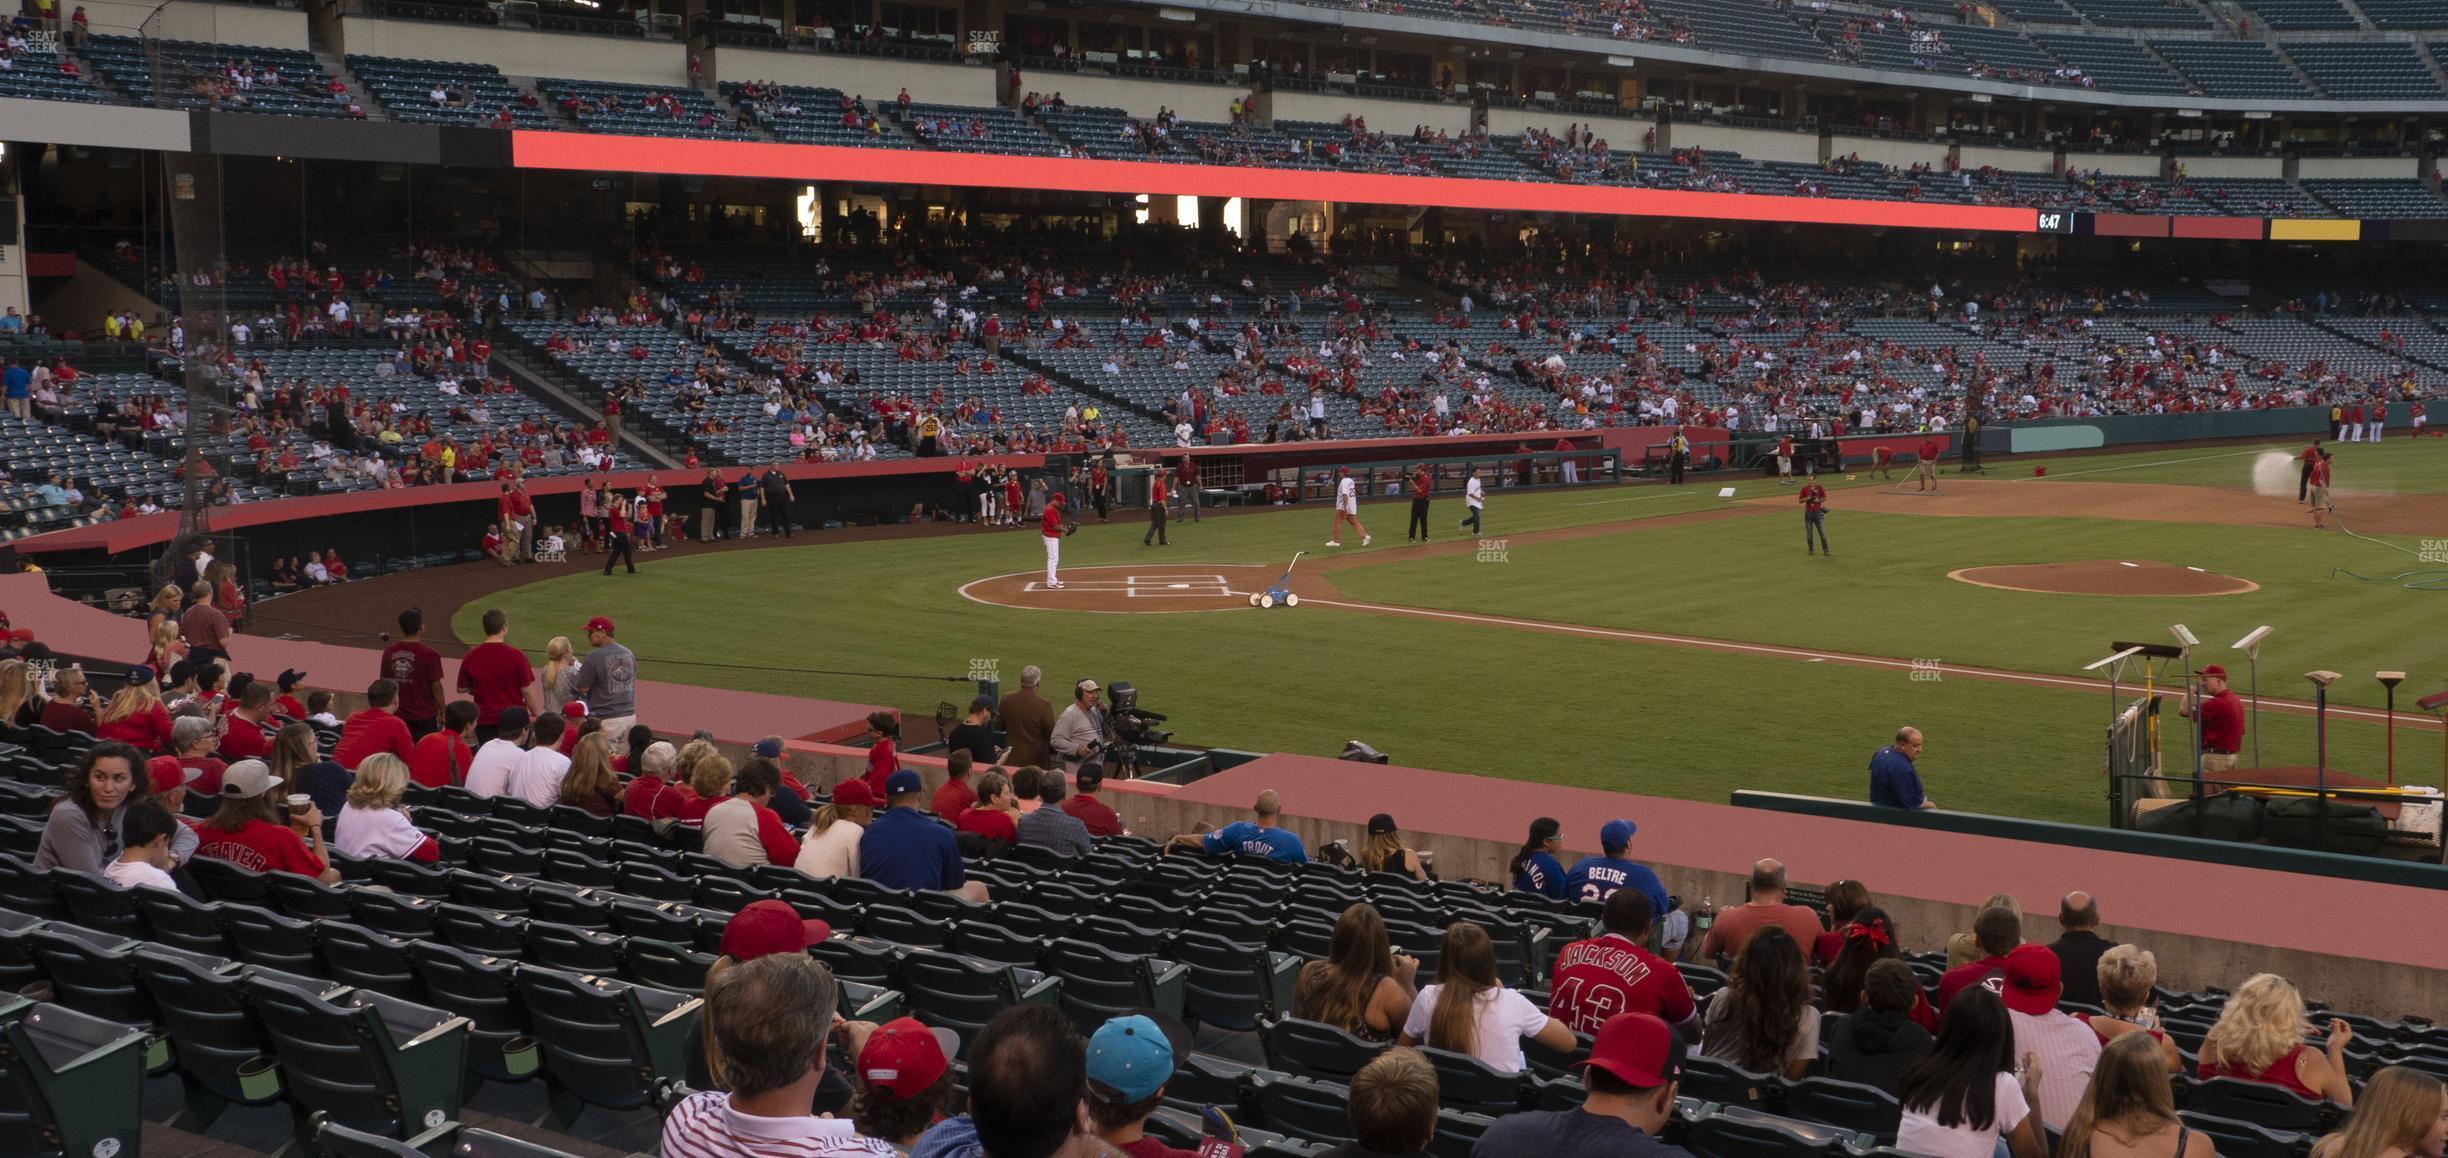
(1448, 477)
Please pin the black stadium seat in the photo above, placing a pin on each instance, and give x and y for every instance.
(371, 1062)
(1847, 1105)
(75, 1085)
(605, 1043)
(224, 1055)
(1314, 1050)
(2259, 1103)
(2240, 1139)
(1736, 1132)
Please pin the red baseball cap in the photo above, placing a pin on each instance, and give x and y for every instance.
(905, 1056)
(1637, 1049)
(575, 710)
(2215, 670)
(168, 773)
(854, 793)
(21, 635)
(2034, 977)
(769, 927)
(599, 623)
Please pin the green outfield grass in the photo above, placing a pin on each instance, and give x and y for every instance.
(1583, 711)
(2399, 463)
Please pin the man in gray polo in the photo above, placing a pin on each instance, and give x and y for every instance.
(607, 680)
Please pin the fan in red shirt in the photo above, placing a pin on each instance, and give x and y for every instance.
(651, 794)
(374, 728)
(441, 758)
(1611, 973)
(1997, 930)
(994, 816)
(1092, 813)
(1814, 517)
(2222, 721)
(956, 795)
(284, 705)
(416, 668)
(882, 759)
(496, 675)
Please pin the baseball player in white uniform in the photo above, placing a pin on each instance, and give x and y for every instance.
(1346, 507)
(1474, 497)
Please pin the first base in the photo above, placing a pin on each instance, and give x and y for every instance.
(1848, 478)
(1725, 492)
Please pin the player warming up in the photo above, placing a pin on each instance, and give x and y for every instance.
(1474, 498)
(1347, 508)
(1053, 530)
(1814, 517)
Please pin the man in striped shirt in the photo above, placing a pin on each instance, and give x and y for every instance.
(768, 1021)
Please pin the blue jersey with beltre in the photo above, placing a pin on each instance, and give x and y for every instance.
(1893, 782)
(1593, 878)
(1248, 839)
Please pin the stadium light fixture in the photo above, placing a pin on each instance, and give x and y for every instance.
(2390, 680)
(2250, 645)
(2320, 732)
(2184, 635)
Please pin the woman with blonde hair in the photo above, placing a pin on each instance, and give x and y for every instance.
(1964, 948)
(165, 608)
(2129, 1111)
(2259, 1037)
(19, 706)
(2403, 1114)
(2126, 975)
(831, 847)
(1470, 1011)
(590, 783)
(1386, 853)
(372, 823)
(1362, 986)
(552, 680)
(709, 783)
(136, 715)
(164, 646)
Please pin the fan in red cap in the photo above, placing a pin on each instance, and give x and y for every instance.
(768, 927)
(2067, 1048)
(1631, 1075)
(2222, 721)
(904, 1081)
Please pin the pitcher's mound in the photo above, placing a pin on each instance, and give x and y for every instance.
(1142, 589)
(2106, 577)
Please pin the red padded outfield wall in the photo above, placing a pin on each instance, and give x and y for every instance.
(598, 152)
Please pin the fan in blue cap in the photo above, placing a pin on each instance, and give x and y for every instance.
(1592, 878)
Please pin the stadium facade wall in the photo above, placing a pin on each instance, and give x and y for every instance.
(875, 78)
(2350, 168)
(2117, 164)
(1139, 98)
(106, 126)
(201, 21)
(1396, 117)
(1977, 157)
(520, 52)
(1755, 144)
(2128, 429)
(1622, 134)
(2226, 167)
(1891, 153)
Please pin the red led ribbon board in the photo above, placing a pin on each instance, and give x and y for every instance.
(2227, 228)
(596, 152)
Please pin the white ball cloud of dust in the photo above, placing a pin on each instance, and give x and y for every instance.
(2275, 474)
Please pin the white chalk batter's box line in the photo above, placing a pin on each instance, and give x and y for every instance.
(1148, 586)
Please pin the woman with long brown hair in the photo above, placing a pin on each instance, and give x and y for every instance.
(1763, 1020)
(19, 705)
(2129, 1111)
(590, 783)
(1470, 1011)
(2403, 1113)
(1363, 986)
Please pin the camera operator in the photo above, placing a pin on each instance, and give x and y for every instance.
(1079, 734)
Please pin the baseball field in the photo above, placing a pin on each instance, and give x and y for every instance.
(1638, 637)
